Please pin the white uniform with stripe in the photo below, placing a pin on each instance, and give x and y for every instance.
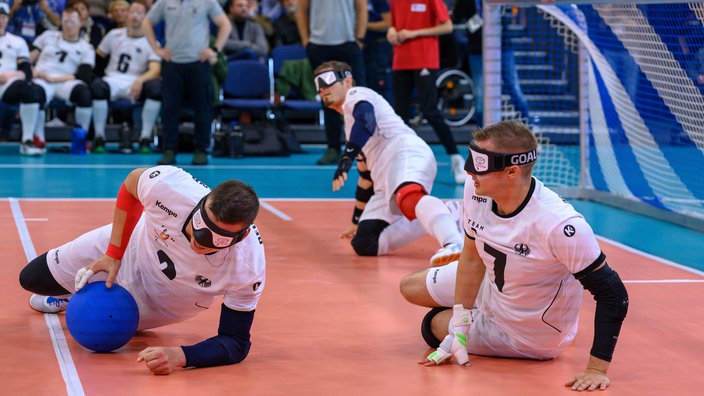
(11, 48)
(170, 282)
(528, 305)
(59, 56)
(129, 59)
(395, 154)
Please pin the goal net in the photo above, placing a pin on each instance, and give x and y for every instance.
(614, 90)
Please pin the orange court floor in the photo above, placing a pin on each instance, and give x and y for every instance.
(332, 323)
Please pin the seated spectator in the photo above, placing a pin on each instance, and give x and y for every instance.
(286, 28)
(247, 39)
(29, 18)
(118, 12)
(272, 9)
(132, 73)
(14, 73)
(63, 67)
(91, 32)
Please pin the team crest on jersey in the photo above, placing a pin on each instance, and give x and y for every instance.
(154, 174)
(162, 236)
(203, 281)
(256, 286)
(521, 249)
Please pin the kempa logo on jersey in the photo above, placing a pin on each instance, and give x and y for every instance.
(479, 199)
(165, 209)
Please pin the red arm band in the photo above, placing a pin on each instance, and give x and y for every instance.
(127, 203)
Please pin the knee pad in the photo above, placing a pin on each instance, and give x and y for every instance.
(99, 89)
(36, 278)
(13, 93)
(152, 90)
(80, 96)
(366, 239)
(426, 330)
(34, 93)
(407, 197)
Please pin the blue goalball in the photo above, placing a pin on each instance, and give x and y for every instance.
(102, 319)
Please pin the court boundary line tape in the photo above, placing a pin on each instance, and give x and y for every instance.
(58, 338)
(275, 211)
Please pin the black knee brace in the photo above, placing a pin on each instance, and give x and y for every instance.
(37, 278)
(425, 329)
(34, 93)
(99, 89)
(152, 90)
(80, 96)
(366, 239)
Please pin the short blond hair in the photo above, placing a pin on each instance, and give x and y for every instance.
(113, 3)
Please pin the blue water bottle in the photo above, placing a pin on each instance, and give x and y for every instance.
(78, 140)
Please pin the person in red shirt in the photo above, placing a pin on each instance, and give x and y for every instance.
(414, 31)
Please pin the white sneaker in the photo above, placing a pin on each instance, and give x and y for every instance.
(456, 209)
(47, 304)
(446, 255)
(457, 166)
(28, 148)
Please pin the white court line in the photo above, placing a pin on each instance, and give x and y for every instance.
(275, 211)
(58, 339)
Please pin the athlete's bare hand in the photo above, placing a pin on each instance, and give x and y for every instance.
(589, 380)
(339, 181)
(162, 360)
(349, 232)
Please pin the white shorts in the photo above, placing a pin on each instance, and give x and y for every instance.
(486, 337)
(404, 159)
(60, 90)
(119, 86)
(4, 87)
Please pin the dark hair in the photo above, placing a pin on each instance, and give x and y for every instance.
(233, 202)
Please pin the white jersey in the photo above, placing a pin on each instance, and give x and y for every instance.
(12, 48)
(394, 153)
(60, 56)
(531, 256)
(129, 56)
(169, 281)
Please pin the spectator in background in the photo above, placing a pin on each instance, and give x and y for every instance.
(286, 27)
(414, 31)
(272, 9)
(91, 31)
(256, 15)
(247, 39)
(98, 8)
(334, 30)
(470, 13)
(63, 67)
(186, 68)
(377, 50)
(118, 11)
(29, 18)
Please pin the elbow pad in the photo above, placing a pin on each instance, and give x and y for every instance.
(611, 308)
(84, 73)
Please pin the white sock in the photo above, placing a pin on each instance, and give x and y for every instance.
(83, 115)
(41, 123)
(100, 117)
(150, 112)
(398, 234)
(437, 220)
(28, 118)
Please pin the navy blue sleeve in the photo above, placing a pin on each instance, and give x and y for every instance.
(364, 123)
(230, 346)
